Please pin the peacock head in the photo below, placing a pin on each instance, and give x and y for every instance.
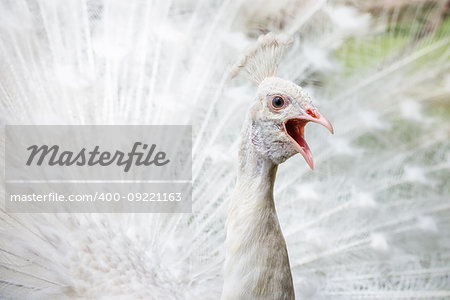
(279, 119)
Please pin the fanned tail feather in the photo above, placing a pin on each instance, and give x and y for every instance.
(371, 222)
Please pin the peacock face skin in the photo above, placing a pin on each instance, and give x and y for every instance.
(279, 118)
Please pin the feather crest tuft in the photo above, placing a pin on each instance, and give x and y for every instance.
(262, 59)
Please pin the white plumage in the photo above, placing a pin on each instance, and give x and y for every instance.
(371, 222)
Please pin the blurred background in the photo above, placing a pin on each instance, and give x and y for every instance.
(371, 222)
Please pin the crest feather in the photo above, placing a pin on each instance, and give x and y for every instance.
(262, 60)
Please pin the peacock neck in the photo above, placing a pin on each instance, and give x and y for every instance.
(257, 263)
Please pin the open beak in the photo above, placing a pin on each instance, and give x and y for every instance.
(295, 129)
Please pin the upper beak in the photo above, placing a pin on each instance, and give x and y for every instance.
(324, 121)
(295, 129)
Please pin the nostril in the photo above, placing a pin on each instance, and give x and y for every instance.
(312, 112)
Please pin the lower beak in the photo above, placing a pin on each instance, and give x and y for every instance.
(295, 129)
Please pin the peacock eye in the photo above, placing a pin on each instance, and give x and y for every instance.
(277, 102)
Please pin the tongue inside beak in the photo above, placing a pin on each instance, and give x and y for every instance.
(295, 129)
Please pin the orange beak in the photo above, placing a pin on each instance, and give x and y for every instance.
(295, 129)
